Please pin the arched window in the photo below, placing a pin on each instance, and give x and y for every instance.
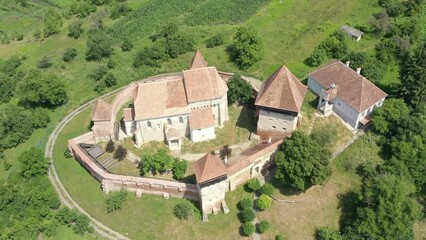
(169, 121)
(149, 124)
(181, 120)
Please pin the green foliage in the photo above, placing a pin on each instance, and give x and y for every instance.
(325, 135)
(115, 200)
(120, 153)
(6, 165)
(33, 163)
(239, 90)
(110, 80)
(318, 56)
(127, 45)
(9, 75)
(247, 215)
(38, 89)
(78, 222)
(82, 8)
(371, 68)
(267, 189)
(67, 153)
(178, 44)
(225, 152)
(413, 77)
(215, 41)
(153, 56)
(44, 62)
(214, 12)
(280, 237)
(69, 54)
(263, 226)
(326, 233)
(110, 146)
(302, 162)
(98, 73)
(52, 22)
(335, 46)
(253, 184)
(161, 162)
(386, 117)
(184, 210)
(99, 45)
(247, 48)
(179, 168)
(119, 9)
(15, 126)
(264, 202)
(246, 203)
(75, 29)
(40, 117)
(248, 228)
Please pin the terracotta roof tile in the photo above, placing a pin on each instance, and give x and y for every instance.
(201, 118)
(172, 133)
(160, 98)
(209, 167)
(101, 111)
(353, 89)
(282, 91)
(128, 115)
(203, 84)
(198, 61)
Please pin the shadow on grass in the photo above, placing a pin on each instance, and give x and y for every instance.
(246, 118)
(189, 179)
(348, 203)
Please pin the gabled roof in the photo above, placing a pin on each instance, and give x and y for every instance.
(208, 168)
(128, 115)
(101, 111)
(201, 118)
(198, 61)
(282, 91)
(203, 84)
(354, 89)
(161, 98)
(351, 31)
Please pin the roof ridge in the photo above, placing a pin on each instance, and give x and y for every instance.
(291, 84)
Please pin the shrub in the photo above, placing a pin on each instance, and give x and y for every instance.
(280, 237)
(239, 90)
(246, 203)
(253, 184)
(78, 222)
(326, 233)
(67, 153)
(248, 228)
(120, 153)
(44, 62)
(19, 36)
(179, 168)
(115, 200)
(264, 202)
(110, 80)
(247, 215)
(75, 29)
(52, 22)
(69, 54)
(263, 226)
(178, 44)
(153, 56)
(33, 163)
(99, 45)
(267, 189)
(183, 210)
(111, 64)
(6, 165)
(98, 73)
(119, 9)
(215, 40)
(110, 146)
(225, 152)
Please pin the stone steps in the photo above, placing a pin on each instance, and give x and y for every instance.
(108, 163)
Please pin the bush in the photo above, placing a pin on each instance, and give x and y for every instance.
(19, 36)
(119, 9)
(253, 184)
(280, 237)
(67, 153)
(246, 203)
(248, 228)
(69, 54)
(264, 202)
(239, 90)
(110, 146)
(44, 62)
(75, 29)
(178, 44)
(183, 210)
(78, 222)
(33, 163)
(52, 22)
(179, 168)
(263, 226)
(115, 200)
(111, 64)
(98, 73)
(40, 117)
(326, 233)
(127, 45)
(247, 215)
(110, 80)
(120, 153)
(267, 189)
(153, 56)
(6, 165)
(214, 41)
(99, 45)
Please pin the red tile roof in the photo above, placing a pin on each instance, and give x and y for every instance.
(198, 61)
(201, 118)
(209, 167)
(101, 111)
(203, 84)
(353, 89)
(128, 114)
(282, 91)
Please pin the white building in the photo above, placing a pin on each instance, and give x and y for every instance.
(278, 103)
(346, 92)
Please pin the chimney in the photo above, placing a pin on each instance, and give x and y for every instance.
(269, 139)
(347, 63)
(226, 159)
(358, 70)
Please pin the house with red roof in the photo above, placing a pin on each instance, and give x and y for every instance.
(345, 92)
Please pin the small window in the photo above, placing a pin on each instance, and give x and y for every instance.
(169, 121)
(274, 127)
(284, 129)
(158, 125)
(149, 124)
(339, 104)
(181, 120)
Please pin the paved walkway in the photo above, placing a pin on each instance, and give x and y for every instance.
(255, 235)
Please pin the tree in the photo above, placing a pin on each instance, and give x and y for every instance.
(239, 90)
(178, 44)
(52, 22)
(120, 153)
(183, 210)
(41, 90)
(115, 200)
(110, 146)
(110, 80)
(413, 77)
(127, 45)
(15, 126)
(247, 215)
(317, 57)
(248, 228)
(246, 203)
(40, 117)
(98, 73)
(247, 48)
(326, 233)
(159, 162)
(119, 9)
(264, 202)
(267, 189)
(69, 54)
(253, 184)
(215, 41)
(225, 152)
(33, 163)
(75, 29)
(302, 162)
(263, 226)
(386, 117)
(153, 56)
(99, 45)
(179, 168)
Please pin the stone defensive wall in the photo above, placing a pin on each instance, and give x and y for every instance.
(138, 185)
